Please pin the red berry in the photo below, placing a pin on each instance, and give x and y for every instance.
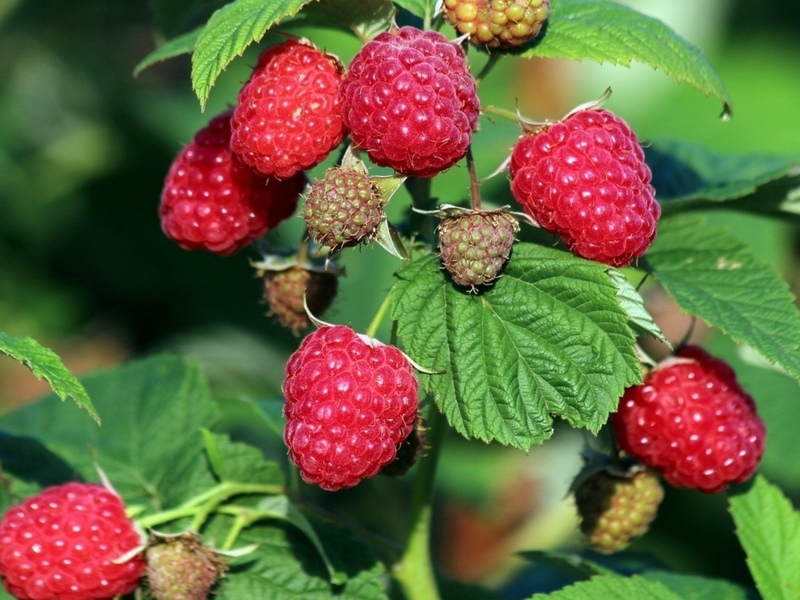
(692, 421)
(410, 102)
(288, 118)
(349, 405)
(213, 201)
(64, 543)
(585, 179)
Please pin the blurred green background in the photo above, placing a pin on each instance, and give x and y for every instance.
(85, 269)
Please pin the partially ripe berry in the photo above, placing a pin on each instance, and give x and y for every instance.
(343, 208)
(410, 102)
(692, 421)
(212, 201)
(474, 246)
(349, 405)
(616, 509)
(585, 179)
(285, 290)
(497, 23)
(180, 567)
(65, 542)
(289, 116)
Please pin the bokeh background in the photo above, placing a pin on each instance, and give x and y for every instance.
(86, 271)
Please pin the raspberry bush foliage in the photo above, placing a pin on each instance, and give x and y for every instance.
(516, 311)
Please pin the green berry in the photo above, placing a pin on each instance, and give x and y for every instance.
(497, 23)
(474, 246)
(182, 568)
(343, 208)
(616, 509)
(284, 291)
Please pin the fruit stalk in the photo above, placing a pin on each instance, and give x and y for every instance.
(414, 572)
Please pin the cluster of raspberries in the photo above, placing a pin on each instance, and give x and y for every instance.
(407, 99)
(689, 422)
(74, 541)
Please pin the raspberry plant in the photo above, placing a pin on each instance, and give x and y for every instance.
(499, 327)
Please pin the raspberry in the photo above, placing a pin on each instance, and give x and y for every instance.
(497, 23)
(349, 405)
(409, 101)
(474, 246)
(585, 178)
(64, 543)
(211, 200)
(692, 421)
(284, 292)
(343, 208)
(288, 118)
(616, 509)
(182, 568)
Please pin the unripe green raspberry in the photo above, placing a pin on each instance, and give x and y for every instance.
(497, 23)
(343, 208)
(475, 245)
(182, 568)
(616, 509)
(285, 289)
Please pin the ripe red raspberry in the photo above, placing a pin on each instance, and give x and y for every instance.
(409, 101)
(616, 509)
(585, 178)
(692, 421)
(474, 246)
(349, 405)
(63, 543)
(497, 23)
(289, 118)
(211, 200)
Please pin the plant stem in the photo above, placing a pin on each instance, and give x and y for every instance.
(200, 506)
(487, 68)
(474, 184)
(500, 112)
(372, 330)
(414, 572)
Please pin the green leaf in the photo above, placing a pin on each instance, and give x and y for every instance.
(365, 18)
(571, 564)
(607, 32)
(149, 445)
(424, 9)
(769, 530)
(28, 460)
(549, 338)
(239, 462)
(229, 31)
(633, 304)
(280, 507)
(45, 364)
(183, 44)
(690, 587)
(287, 566)
(718, 278)
(689, 176)
(612, 587)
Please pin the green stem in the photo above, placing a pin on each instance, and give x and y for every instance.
(372, 330)
(500, 112)
(200, 506)
(414, 572)
(487, 68)
(474, 184)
